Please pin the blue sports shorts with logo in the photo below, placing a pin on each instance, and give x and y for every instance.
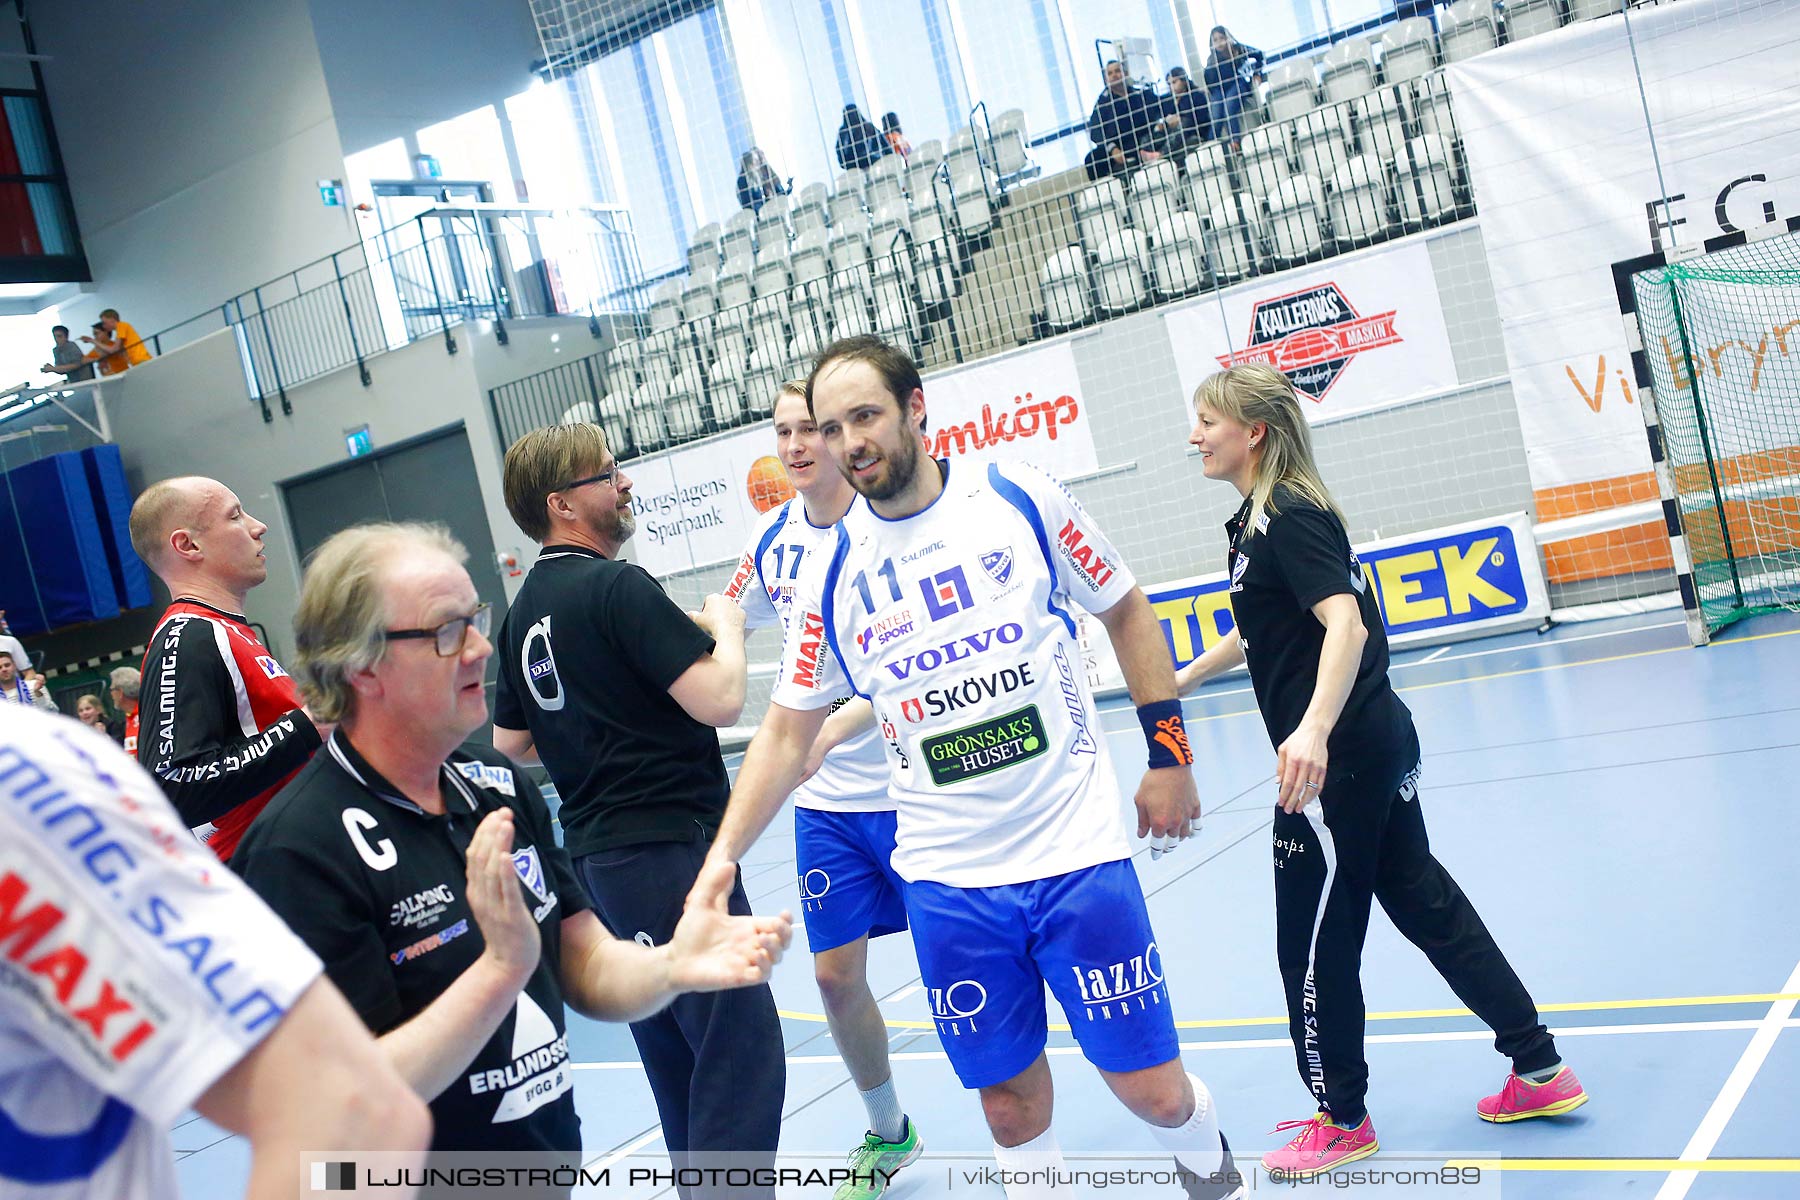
(847, 881)
(985, 955)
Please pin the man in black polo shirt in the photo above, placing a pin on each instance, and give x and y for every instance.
(427, 877)
(619, 692)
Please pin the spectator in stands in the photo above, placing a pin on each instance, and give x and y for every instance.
(16, 648)
(67, 359)
(859, 144)
(90, 712)
(125, 682)
(896, 138)
(757, 183)
(16, 689)
(1123, 125)
(118, 343)
(1232, 75)
(1188, 122)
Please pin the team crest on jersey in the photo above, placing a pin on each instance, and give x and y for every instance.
(1358, 580)
(270, 667)
(998, 564)
(531, 871)
(1238, 567)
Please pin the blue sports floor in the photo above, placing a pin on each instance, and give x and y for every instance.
(1621, 808)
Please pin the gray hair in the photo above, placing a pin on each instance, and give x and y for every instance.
(339, 627)
(127, 680)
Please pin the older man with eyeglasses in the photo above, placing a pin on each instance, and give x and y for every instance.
(620, 693)
(426, 875)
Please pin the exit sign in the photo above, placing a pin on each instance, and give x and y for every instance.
(358, 442)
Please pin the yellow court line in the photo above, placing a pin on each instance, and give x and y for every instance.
(1633, 1165)
(1412, 1014)
(1585, 662)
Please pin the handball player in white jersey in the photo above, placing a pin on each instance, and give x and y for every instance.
(843, 815)
(945, 600)
(139, 977)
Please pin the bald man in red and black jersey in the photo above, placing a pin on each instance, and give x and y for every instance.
(222, 726)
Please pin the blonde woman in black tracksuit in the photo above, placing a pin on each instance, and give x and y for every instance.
(1347, 824)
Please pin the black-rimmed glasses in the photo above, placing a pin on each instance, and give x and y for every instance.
(610, 475)
(452, 634)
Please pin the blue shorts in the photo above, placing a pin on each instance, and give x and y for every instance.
(985, 955)
(847, 883)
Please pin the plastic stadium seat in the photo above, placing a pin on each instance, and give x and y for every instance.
(1528, 18)
(1408, 50)
(810, 209)
(731, 347)
(657, 366)
(1293, 89)
(809, 320)
(1232, 237)
(619, 402)
(683, 415)
(734, 281)
(847, 199)
(699, 297)
(1265, 159)
(1178, 254)
(1380, 120)
(1320, 145)
(771, 224)
(961, 155)
(921, 166)
(645, 417)
(622, 363)
(1208, 177)
(1296, 210)
(665, 304)
(1359, 204)
(1119, 262)
(887, 181)
(1427, 183)
(739, 236)
(1068, 297)
(768, 317)
(849, 255)
(703, 255)
(1099, 207)
(1155, 193)
(850, 310)
(1347, 69)
(885, 223)
(774, 271)
(1467, 29)
(1431, 105)
(582, 412)
(1587, 10)
(974, 207)
(895, 320)
(811, 258)
(1010, 156)
(763, 377)
(934, 254)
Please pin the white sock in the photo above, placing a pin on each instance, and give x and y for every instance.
(1196, 1143)
(1037, 1164)
(886, 1120)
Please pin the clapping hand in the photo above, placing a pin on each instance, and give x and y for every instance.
(497, 903)
(712, 950)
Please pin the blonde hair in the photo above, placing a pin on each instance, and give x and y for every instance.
(547, 460)
(1252, 392)
(159, 510)
(340, 626)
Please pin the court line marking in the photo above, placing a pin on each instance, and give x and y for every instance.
(1725, 1104)
(1436, 654)
(1747, 1166)
(1416, 1014)
(1282, 1043)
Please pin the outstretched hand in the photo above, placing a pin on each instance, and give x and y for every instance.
(712, 950)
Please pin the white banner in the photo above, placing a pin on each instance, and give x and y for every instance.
(1354, 334)
(697, 504)
(1566, 184)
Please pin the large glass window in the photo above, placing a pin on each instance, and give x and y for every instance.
(470, 147)
(1018, 57)
(699, 119)
(902, 71)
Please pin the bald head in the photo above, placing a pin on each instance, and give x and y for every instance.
(169, 505)
(194, 533)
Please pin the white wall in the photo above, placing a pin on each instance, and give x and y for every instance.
(194, 136)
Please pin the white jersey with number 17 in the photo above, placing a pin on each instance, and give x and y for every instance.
(854, 776)
(955, 623)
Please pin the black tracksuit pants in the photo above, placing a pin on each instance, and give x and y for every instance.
(715, 1061)
(1363, 838)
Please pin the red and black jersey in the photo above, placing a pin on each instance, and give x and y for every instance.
(221, 726)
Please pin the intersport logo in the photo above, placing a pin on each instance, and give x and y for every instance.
(932, 658)
(967, 693)
(1310, 336)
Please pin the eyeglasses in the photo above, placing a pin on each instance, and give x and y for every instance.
(452, 634)
(610, 475)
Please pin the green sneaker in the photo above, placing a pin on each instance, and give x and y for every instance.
(875, 1163)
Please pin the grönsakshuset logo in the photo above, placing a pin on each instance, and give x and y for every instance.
(1310, 336)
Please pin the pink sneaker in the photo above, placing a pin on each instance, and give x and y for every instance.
(1521, 1098)
(1319, 1147)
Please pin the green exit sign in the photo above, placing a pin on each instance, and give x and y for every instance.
(358, 442)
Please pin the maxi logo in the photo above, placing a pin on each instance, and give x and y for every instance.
(1311, 336)
(967, 694)
(946, 593)
(1094, 570)
(745, 569)
(986, 746)
(885, 630)
(924, 662)
(1078, 721)
(810, 653)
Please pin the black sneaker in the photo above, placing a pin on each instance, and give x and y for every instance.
(1226, 1183)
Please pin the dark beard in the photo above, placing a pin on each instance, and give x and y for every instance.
(899, 475)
